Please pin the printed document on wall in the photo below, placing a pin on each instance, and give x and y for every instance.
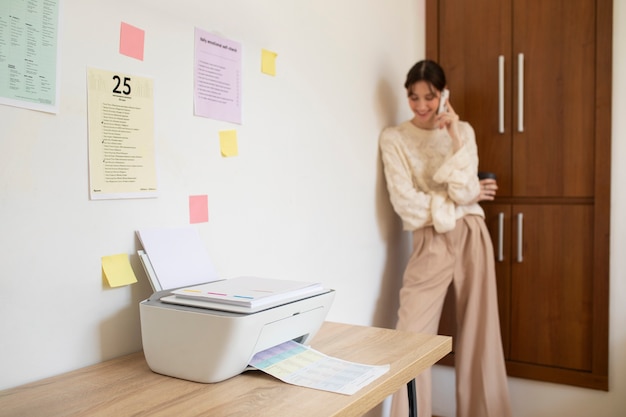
(29, 54)
(217, 77)
(121, 135)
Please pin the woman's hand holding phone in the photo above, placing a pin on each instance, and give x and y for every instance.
(447, 117)
(443, 101)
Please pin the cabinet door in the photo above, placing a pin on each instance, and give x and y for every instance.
(533, 77)
(551, 290)
(475, 49)
(554, 109)
(522, 72)
(545, 295)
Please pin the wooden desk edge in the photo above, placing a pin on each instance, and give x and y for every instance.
(402, 378)
(437, 347)
(367, 398)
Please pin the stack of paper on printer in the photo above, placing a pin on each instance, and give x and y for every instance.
(246, 293)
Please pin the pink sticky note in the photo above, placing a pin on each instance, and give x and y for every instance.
(131, 41)
(198, 209)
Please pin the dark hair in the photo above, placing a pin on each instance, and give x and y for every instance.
(426, 70)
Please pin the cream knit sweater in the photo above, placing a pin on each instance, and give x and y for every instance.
(428, 184)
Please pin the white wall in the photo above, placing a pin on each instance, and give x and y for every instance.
(305, 198)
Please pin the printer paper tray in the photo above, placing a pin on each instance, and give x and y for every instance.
(172, 299)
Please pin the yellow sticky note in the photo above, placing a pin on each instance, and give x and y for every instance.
(117, 270)
(268, 62)
(228, 143)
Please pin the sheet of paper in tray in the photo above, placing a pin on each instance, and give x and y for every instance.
(250, 292)
(301, 365)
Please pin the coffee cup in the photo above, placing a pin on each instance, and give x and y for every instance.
(483, 175)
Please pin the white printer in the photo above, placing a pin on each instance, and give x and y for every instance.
(205, 345)
(202, 342)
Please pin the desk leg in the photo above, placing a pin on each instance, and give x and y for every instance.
(412, 398)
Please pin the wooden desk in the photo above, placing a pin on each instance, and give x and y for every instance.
(126, 386)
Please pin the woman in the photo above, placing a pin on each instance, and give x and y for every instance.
(431, 164)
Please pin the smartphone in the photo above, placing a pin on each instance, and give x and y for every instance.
(445, 94)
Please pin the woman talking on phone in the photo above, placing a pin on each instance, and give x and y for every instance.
(431, 164)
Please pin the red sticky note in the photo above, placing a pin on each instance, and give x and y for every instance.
(131, 41)
(198, 209)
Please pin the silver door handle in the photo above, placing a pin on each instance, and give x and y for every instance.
(520, 92)
(501, 94)
(500, 237)
(520, 237)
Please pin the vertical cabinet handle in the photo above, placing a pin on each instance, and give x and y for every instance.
(501, 237)
(520, 92)
(520, 237)
(501, 94)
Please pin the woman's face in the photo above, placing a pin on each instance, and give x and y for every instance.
(424, 101)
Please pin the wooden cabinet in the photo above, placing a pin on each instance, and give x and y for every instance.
(533, 77)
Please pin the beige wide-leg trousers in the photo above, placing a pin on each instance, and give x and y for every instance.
(464, 258)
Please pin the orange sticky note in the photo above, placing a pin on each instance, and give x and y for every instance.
(198, 209)
(131, 41)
